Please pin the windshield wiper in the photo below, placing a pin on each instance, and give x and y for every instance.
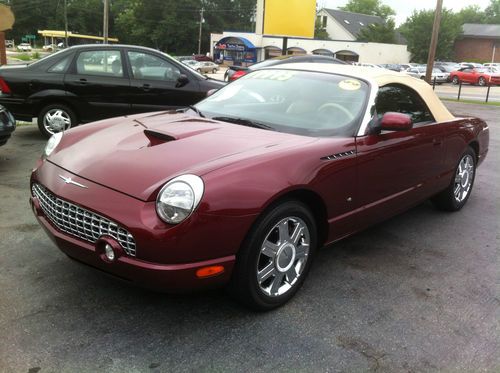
(245, 122)
(196, 110)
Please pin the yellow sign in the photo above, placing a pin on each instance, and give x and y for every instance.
(289, 17)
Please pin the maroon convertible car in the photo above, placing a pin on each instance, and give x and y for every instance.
(242, 188)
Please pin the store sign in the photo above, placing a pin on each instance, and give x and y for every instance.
(232, 47)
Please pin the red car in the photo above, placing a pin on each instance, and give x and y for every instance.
(480, 75)
(244, 187)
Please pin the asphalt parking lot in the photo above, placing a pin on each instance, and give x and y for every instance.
(417, 293)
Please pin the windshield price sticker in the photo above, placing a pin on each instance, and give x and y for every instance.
(274, 75)
(350, 84)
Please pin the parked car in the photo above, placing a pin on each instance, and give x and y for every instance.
(479, 76)
(470, 64)
(447, 69)
(202, 57)
(492, 64)
(392, 66)
(206, 67)
(90, 82)
(407, 66)
(438, 75)
(49, 47)
(244, 187)
(190, 63)
(7, 125)
(24, 47)
(235, 72)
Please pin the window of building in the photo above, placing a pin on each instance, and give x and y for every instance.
(401, 99)
(325, 20)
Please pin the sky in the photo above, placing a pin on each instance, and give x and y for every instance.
(404, 9)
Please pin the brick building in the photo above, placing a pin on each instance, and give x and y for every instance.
(478, 43)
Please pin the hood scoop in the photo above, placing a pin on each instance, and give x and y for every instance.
(157, 138)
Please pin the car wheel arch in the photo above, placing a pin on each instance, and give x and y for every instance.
(310, 199)
(475, 146)
(54, 101)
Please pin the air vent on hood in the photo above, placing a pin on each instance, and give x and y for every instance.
(156, 138)
(338, 155)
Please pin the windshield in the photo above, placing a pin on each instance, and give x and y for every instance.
(298, 102)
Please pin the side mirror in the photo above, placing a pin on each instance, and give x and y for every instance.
(392, 121)
(182, 80)
(211, 92)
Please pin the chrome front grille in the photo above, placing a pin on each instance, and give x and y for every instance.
(79, 222)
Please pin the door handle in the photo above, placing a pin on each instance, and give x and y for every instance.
(81, 81)
(437, 142)
(146, 87)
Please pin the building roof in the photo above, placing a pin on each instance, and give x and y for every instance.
(353, 22)
(475, 30)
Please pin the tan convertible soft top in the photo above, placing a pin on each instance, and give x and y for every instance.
(382, 77)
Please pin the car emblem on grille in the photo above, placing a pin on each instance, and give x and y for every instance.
(68, 180)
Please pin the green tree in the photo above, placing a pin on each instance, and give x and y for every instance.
(370, 7)
(492, 12)
(417, 28)
(471, 14)
(379, 33)
(320, 32)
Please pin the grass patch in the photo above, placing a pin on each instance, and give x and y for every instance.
(20, 123)
(477, 102)
(23, 57)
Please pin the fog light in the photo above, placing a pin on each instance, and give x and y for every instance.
(108, 251)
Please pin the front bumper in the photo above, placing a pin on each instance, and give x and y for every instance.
(163, 277)
(167, 258)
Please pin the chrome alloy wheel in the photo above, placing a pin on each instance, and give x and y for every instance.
(56, 120)
(283, 256)
(463, 178)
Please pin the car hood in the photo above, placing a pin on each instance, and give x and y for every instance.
(136, 156)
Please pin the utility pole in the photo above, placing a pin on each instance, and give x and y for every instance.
(66, 23)
(199, 32)
(105, 25)
(434, 40)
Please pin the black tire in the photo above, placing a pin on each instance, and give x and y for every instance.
(66, 113)
(244, 284)
(214, 71)
(446, 200)
(481, 81)
(455, 80)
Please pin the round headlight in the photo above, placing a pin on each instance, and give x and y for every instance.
(178, 198)
(52, 143)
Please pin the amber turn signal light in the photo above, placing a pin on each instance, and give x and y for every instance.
(209, 271)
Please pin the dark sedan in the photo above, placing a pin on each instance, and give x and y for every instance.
(90, 82)
(235, 72)
(7, 125)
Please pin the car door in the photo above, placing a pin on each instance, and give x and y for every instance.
(99, 83)
(155, 86)
(467, 76)
(400, 168)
